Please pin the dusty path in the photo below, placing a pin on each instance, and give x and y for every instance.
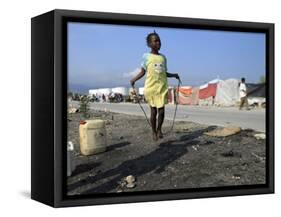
(220, 116)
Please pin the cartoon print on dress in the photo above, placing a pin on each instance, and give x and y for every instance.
(158, 67)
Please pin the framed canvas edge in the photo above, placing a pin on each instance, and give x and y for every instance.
(60, 105)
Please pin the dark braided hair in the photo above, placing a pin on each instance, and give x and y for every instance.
(148, 37)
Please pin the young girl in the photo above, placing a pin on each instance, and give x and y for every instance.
(156, 85)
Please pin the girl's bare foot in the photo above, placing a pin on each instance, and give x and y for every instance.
(159, 134)
(154, 136)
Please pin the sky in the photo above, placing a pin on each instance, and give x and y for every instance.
(106, 56)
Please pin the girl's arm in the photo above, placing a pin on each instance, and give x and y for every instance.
(171, 75)
(138, 76)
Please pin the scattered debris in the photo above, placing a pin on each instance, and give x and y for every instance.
(130, 181)
(260, 136)
(195, 147)
(71, 165)
(131, 185)
(72, 110)
(231, 153)
(226, 131)
(119, 190)
(259, 157)
(107, 122)
(236, 177)
(208, 143)
(127, 182)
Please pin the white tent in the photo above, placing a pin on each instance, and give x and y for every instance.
(227, 92)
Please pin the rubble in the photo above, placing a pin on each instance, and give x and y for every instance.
(260, 136)
(231, 153)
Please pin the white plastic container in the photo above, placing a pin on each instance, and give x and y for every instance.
(71, 164)
(92, 137)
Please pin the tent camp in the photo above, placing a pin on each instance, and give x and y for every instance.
(219, 92)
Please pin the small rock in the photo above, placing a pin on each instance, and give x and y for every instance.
(130, 179)
(194, 147)
(131, 185)
(260, 136)
(119, 190)
(121, 137)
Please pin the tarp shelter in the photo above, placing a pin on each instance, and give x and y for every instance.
(207, 92)
(171, 95)
(185, 95)
(227, 92)
(219, 92)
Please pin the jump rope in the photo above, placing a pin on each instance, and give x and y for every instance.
(175, 112)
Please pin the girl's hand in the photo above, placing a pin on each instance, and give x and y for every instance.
(132, 83)
(177, 76)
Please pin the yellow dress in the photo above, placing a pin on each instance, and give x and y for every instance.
(156, 85)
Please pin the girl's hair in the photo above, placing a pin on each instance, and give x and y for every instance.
(148, 37)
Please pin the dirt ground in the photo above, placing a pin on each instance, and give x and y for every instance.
(184, 158)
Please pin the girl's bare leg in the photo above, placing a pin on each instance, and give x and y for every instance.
(153, 114)
(161, 116)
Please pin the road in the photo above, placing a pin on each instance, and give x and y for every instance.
(253, 119)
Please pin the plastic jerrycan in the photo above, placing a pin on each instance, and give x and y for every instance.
(92, 137)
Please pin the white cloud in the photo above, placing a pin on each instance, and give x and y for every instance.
(131, 74)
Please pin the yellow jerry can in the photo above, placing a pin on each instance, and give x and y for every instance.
(92, 137)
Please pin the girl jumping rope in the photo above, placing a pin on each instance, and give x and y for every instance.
(156, 85)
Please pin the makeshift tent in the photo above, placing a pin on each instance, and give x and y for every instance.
(185, 95)
(171, 95)
(207, 92)
(195, 96)
(220, 93)
(227, 92)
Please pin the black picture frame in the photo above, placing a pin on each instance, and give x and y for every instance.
(49, 106)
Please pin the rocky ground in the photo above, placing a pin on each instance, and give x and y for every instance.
(184, 158)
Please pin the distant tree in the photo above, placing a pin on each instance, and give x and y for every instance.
(262, 79)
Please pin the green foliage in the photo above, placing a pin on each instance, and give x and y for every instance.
(262, 79)
(85, 107)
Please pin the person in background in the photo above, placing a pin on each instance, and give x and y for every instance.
(243, 94)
